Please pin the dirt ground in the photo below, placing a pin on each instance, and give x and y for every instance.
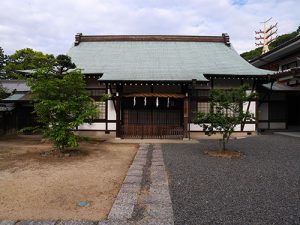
(34, 185)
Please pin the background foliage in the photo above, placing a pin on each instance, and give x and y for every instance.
(278, 41)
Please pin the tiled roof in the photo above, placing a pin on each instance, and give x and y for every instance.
(159, 60)
(15, 85)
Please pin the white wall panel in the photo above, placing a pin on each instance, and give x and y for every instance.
(111, 126)
(93, 126)
(111, 112)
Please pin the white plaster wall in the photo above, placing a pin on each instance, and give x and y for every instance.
(252, 108)
(111, 126)
(195, 127)
(247, 127)
(93, 126)
(111, 112)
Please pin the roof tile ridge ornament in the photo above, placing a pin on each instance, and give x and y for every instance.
(160, 38)
(226, 39)
(77, 39)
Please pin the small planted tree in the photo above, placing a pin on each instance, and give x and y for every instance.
(61, 103)
(226, 112)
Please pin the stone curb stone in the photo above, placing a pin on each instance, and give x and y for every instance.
(121, 211)
(37, 222)
(7, 222)
(156, 222)
(114, 222)
(77, 222)
(133, 179)
(127, 198)
(135, 172)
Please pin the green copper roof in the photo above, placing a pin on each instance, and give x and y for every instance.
(14, 97)
(158, 60)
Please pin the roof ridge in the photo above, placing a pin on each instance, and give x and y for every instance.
(224, 38)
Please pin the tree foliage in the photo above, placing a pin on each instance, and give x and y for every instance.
(3, 61)
(226, 112)
(27, 59)
(63, 64)
(252, 54)
(3, 92)
(61, 103)
(278, 41)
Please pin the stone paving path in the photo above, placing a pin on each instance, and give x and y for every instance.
(144, 197)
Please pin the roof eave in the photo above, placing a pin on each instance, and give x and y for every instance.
(277, 52)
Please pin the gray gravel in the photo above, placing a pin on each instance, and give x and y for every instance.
(262, 188)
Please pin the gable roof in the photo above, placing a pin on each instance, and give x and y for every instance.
(158, 57)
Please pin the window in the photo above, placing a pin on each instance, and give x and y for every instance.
(203, 107)
(228, 112)
(101, 110)
(96, 92)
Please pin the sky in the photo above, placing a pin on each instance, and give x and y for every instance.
(50, 26)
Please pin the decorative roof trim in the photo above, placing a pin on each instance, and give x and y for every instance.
(240, 76)
(152, 82)
(167, 38)
(161, 95)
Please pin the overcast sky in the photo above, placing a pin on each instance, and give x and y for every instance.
(50, 26)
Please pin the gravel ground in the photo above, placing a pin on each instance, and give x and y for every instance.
(261, 188)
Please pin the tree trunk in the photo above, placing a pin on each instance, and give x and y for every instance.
(223, 144)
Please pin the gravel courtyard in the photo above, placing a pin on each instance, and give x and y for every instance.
(261, 188)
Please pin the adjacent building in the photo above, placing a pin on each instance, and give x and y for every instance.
(16, 111)
(279, 104)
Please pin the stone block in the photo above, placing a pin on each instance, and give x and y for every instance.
(7, 222)
(127, 198)
(77, 222)
(37, 222)
(121, 211)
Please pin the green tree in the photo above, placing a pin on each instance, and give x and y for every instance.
(3, 61)
(3, 92)
(252, 54)
(278, 41)
(61, 103)
(64, 63)
(27, 59)
(282, 39)
(226, 112)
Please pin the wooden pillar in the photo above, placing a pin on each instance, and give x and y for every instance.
(185, 115)
(118, 112)
(106, 110)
